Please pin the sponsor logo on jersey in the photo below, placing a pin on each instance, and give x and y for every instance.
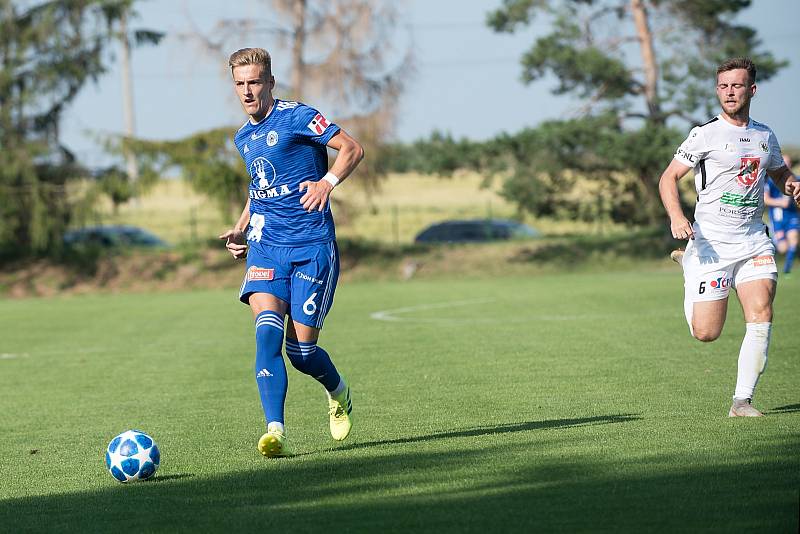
(744, 139)
(255, 136)
(260, 273)
(735, 199)
(246, 149)
(748, 171)
(272, 138)
(261, 194)
(721, 283)
(307, 278)
(264, 171)
(685, 155)
(286, 105)
(760, 261)
(318, 124)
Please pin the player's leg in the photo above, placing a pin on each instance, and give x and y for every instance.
(706, 286)
(313, 287)
(269, 312)
(791, 249)
(266, 290)
(756, 297)
(755, 281)
(708, 318)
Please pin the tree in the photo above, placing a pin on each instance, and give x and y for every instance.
(48, 51)
(341, 54)
(590, 51)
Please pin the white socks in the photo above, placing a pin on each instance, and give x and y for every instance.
(752, 359)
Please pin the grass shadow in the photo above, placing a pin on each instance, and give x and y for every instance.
(789, 408)
(498, 429)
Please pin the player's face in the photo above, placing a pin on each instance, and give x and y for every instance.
(734, 91)
(254, 90)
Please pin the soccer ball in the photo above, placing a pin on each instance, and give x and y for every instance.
(133, 455)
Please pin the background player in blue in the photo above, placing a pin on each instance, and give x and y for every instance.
(784, 220)
(286, 230)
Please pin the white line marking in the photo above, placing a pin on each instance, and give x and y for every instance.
(389, 315)
(11, 356)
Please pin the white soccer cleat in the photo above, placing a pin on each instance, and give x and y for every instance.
(677, 256)
(743, 408)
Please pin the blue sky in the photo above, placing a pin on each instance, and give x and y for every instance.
(466, 81)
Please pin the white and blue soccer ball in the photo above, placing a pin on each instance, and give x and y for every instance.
(133, 455)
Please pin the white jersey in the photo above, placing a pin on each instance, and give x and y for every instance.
(730, 164)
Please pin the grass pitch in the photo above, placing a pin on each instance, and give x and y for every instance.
(557, 403)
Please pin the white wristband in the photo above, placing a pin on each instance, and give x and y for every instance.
(331, 179)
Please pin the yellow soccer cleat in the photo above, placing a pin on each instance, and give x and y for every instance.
(274, 444)
(340, 419)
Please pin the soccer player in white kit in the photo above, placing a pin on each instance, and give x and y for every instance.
(728, 244)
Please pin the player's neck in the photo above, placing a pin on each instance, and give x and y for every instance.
(255, 119)
(741, 118)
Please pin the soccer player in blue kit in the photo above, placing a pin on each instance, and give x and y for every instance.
(286, 230)
(784, 220)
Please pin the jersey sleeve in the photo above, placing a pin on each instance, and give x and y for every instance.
(775, 157)
(693, 149)
(310, 124)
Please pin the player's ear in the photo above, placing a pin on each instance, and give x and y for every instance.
(272, 82)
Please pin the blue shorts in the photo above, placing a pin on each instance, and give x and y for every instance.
(784, 221)
(303, 277)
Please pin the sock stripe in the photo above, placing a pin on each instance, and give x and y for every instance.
(270, 318)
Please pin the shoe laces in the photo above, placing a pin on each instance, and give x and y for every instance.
(336, 409)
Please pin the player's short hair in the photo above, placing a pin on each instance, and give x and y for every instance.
(252, 56)
(739, 63)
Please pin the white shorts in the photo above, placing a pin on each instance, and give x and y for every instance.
(712, 268)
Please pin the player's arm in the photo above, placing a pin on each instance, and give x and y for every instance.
(775, 202)
(668, 189)
(786, 181)
(350, 154)
(234, 238)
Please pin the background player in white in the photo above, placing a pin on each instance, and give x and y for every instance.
(292, 257)
(728, 244)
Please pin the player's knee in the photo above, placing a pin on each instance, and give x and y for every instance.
(705, 335)
(300, 354)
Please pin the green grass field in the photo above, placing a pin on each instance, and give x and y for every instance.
(572, 402)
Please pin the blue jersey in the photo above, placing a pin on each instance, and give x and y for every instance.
(284, 149)
(777, 214)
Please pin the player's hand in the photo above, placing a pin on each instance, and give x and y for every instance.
(235, 243)
(793, 190)
(681, 228)
(317, 194)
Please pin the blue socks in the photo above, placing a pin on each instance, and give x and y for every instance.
(787, 264)
(270, 368)
(312, 360)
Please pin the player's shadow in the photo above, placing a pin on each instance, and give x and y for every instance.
(789, 408)
(500, 429)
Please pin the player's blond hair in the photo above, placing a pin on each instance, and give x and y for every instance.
(252, 56)
(739, 63)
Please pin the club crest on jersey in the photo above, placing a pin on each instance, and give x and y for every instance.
(764, 147)
(318, 124)
(748, 171)
(260, 273)
(272, 138)
(264, 171)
